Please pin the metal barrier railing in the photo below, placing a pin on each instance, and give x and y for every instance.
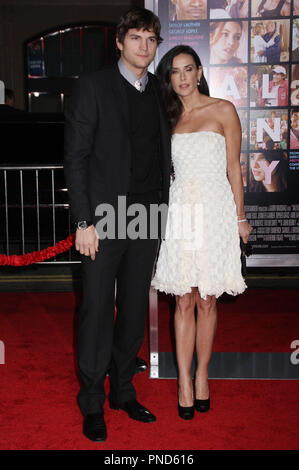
(36, 214)
(34, 210)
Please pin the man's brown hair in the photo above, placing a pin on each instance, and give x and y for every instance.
(138, 18)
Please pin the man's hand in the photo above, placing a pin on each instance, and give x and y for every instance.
(87, 242)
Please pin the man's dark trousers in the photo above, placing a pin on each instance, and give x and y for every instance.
(101, 342)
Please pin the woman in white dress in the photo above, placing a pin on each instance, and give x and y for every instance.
(199, 259)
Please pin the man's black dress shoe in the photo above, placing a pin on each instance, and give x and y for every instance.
(94, 427)
(134, 410)
(140, 366)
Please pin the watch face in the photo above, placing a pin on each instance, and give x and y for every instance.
(82, 225)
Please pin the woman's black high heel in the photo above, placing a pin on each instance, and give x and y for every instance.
(186, 412)
(202, 405)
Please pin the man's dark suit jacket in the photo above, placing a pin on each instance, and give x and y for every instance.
(97, 143)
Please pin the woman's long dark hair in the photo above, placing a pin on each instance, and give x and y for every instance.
(172, 102)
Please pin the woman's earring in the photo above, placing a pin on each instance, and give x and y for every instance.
(198, 82)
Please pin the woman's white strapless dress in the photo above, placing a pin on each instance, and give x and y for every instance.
(202, 245)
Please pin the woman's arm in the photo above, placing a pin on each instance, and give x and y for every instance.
(272, 40)
(233, 137)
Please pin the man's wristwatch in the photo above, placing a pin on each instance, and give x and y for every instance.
(83, 224)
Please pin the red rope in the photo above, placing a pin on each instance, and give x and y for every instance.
(38, 256)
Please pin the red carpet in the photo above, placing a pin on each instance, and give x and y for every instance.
(260, 320)
(38, 385)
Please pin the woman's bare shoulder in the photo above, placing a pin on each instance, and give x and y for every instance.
(212, 103)
(212, 100)
(225, 106)
(220, 107)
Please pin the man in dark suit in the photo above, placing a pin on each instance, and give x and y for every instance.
(117, 145)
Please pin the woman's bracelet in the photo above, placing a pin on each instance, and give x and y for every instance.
(243, 220)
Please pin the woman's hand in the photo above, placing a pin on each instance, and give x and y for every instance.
(244, 231)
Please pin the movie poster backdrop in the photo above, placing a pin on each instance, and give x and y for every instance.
(250, 53)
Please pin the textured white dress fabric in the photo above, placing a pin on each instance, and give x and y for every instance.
(200, 187)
